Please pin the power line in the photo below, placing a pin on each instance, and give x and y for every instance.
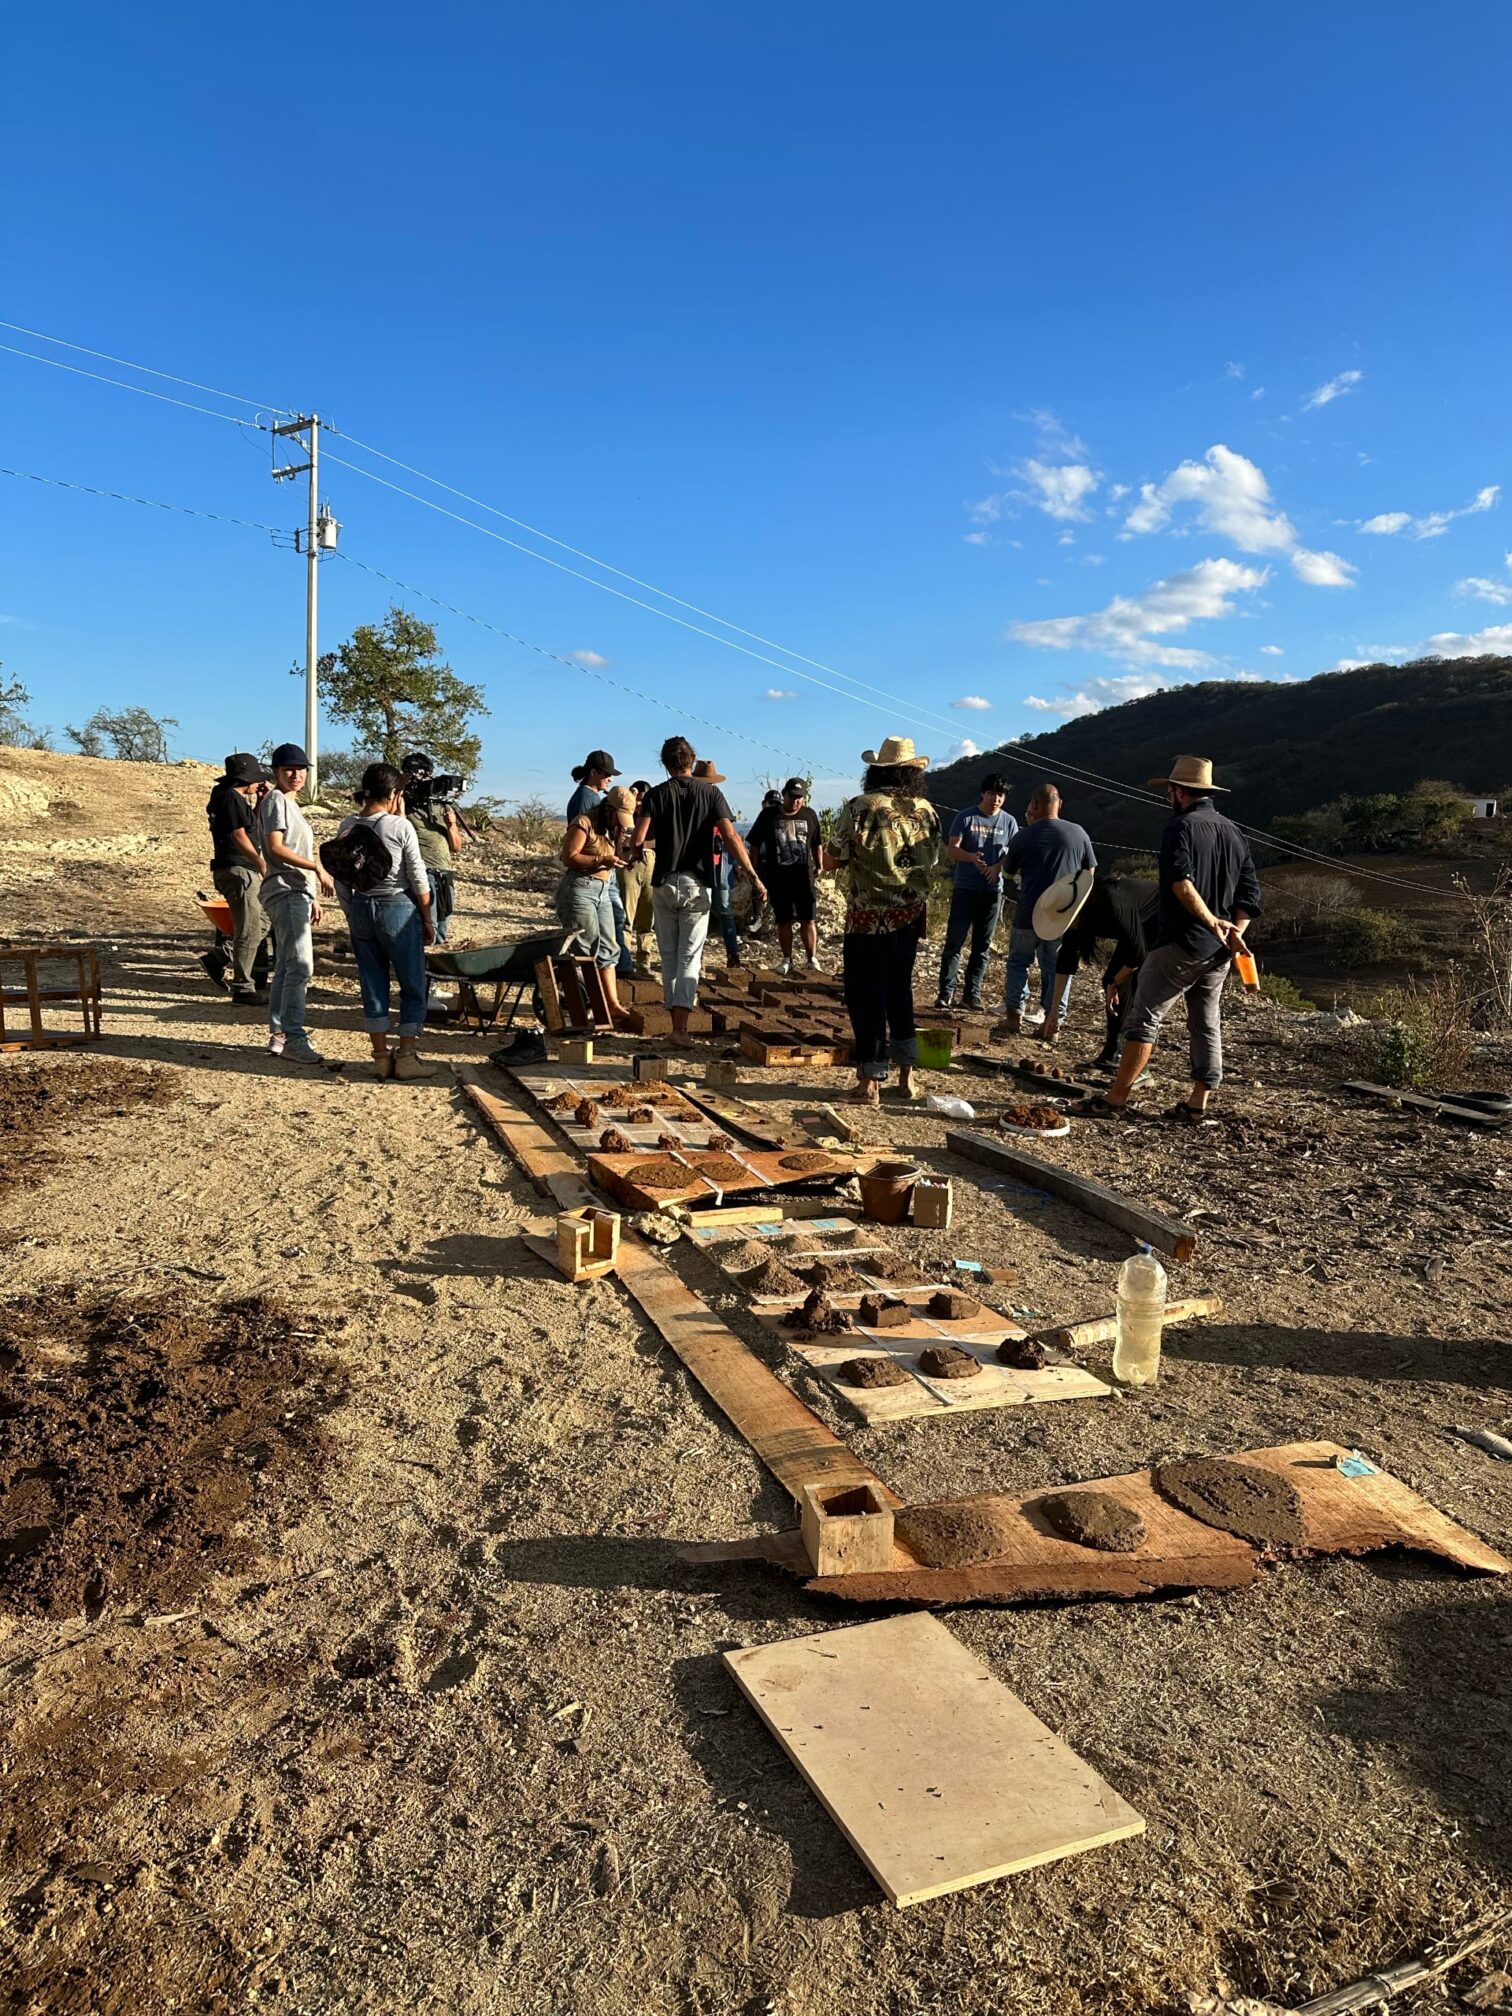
(145, 391)
(153, 503)
(151, 370)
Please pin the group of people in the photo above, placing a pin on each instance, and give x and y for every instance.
(266, 866)
(647, 859)
(1173, 938)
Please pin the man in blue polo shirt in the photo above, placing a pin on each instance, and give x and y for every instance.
(1047, 850)
(977, 842)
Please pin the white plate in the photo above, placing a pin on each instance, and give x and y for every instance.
(1039, 1133)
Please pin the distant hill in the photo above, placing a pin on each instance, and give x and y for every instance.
(1279, 748)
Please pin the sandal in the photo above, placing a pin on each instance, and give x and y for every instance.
(1187, 1116)
(1101, 1107)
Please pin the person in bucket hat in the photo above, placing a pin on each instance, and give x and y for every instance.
(1209, 892)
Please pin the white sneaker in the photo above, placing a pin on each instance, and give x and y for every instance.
(276, 1045)
(1033, 1017)
(786, 969)
(814, 966)
(301, 1052)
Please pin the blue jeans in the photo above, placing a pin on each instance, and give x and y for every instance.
(974, 911)
(584, 905)
(680, 907)
(722, 917)
(293, 962)
(387, 935)
(626, 962)
(1024, 951)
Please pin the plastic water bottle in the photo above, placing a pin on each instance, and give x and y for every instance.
(1141, 1316)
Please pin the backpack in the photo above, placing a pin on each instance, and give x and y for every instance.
(359, 859)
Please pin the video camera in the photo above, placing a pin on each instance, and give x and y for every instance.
(428, 794)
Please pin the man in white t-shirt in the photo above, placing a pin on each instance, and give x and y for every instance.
(290, 895)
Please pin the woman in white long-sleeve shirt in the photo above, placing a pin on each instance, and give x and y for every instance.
(391, 926)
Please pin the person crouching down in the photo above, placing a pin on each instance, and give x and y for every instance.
(391, 924)
(585, 895)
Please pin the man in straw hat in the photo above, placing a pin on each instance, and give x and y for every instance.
(1208, 893)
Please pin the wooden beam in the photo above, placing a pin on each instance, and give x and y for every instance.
(1425, 1102)
(551, 997)
(1103, 1329)
(791, 1440)
(1170, 1235)
(528, 1144)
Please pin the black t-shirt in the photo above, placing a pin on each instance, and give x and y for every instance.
(1123, 908)
(229, 814)
(785, 845)
(684, 812)
(1200, 846)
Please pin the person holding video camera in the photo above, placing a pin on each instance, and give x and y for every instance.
(428, 807)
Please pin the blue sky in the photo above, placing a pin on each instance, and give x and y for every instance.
(1032, 356)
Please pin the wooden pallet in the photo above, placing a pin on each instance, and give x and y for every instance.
(769, 1050)
(761, 1170)
(691, 1127)
(49, 979)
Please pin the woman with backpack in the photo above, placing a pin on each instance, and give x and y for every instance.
(381, 881)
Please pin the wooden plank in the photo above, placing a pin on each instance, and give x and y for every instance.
(1169, 1235)
(1424, 1102)
(791, 1440)
(981, 1062)
(551, 998)
(760, 1169)
(737, 1115)
(935, 1773)
(528, 1144)
(1103, 1329)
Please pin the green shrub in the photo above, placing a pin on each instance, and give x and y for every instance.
(1424, 1041)
(1366, 937)
(1286, 994)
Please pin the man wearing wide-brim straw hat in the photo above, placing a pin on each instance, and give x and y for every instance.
(1208, 893)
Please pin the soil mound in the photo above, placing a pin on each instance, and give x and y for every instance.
(38, 1099)
(1094, 1519)
(1024, 1354)
(133, 1443)
(874, 1372)
(948, 1361)
(1235, 1497)
(951, 1307)
(954, 1533)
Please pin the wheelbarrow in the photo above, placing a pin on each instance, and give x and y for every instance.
(217, 961)
(503, 968)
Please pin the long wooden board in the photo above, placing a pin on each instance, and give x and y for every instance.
(791, 1440)
(982, 1062)
(1169, 1235)
(935, 1773)
(1446, 1108)
(528, 1144)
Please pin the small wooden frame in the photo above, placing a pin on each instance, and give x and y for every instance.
(573, 1000)
(576, 1049)
(933, 1199)
(847, 1529)
(587, 1243)
(647, 1068)
(65, 977)
(777, 1055)
(721, 1071)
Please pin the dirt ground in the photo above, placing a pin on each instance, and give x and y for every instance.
(430, 1717)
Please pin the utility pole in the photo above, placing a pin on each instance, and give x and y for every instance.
(319, 534)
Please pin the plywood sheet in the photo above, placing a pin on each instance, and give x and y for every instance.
(938, 1776)
(683, 1119)
(994, 1386)
(760, 1170)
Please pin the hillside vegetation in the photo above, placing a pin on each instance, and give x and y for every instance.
(1280, 748)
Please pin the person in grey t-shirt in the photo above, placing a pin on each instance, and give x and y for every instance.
(291, 890)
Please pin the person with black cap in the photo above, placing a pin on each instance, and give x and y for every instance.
(291, 889)
(439, 833)
(237, 868)
(593, 776)
(784, 843)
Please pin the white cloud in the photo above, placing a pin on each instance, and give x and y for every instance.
(1271, 651)
(1232, 370)
(778, 693)
(1059, 489)
(1258, 393)
(1493, 642)
(1331, 389)
(1094, 559)
(965, 747)
(1117, 490)
(1433, 524)
(594, 661)
(1127, 629)
(976, 538)
(1066, 539)
(1053, 437)
(1233, 499)
(1322, 570)
(973, 703)
(1485, 590)
(986, 510)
